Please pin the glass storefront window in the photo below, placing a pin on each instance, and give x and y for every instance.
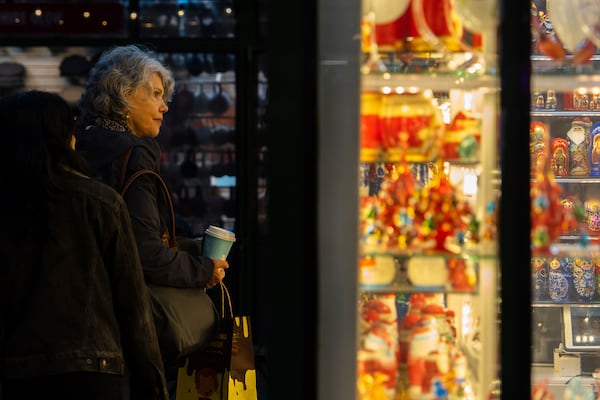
(65, 19)
(187, 19)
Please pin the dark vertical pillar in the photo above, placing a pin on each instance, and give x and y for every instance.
(515, 205)
(291, 190)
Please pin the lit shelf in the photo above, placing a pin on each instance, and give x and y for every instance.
(408, 288)
(474, 254)
(549, 303)
(564, 83)
(574, 180)
(434, 81)
(577, 180)
(571, 114)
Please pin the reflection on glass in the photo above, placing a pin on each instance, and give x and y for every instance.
(198, 133)
(198, 140)
(190, 19)
(546, 333)
(36, 18)
(261, 133)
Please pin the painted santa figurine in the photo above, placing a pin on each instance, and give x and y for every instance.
(578, 138)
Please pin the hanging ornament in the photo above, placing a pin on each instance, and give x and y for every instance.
(562, 16)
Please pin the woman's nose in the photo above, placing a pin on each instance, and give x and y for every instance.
(164, 107)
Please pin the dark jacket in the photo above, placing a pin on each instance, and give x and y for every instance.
(76, 299)
(104, 150)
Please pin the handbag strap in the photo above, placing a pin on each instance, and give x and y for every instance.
(124, 163)
(225, 294)
(126, 185)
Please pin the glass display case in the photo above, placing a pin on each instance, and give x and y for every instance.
(564, 174)
(429, 185)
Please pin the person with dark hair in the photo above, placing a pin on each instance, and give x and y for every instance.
(75, 314)
(122, 109)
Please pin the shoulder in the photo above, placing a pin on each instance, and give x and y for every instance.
(100, 194)
(145, 154)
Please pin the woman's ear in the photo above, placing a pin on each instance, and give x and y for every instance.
(73, 141)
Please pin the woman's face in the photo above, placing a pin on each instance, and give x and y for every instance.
(146, 108)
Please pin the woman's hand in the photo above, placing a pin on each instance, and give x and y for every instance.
(218, 272)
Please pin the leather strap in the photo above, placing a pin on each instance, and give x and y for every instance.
(125, 185)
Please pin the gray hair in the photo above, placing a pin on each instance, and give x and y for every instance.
(118, 73)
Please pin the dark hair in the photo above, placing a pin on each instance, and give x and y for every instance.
(37, 128)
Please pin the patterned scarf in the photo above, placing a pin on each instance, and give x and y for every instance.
(111, 125)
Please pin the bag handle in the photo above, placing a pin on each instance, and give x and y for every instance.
(125, 186)
(224, 294)
(124, 163)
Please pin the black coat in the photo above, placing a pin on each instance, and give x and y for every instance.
(104, 150)
(75, 300)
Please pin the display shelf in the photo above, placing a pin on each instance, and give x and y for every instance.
(572, 114)
(444, 204)
(471, 254)
(560, 82)
(548, 303)
(570, 245)
(577, 180)
(381, 156)
(407, 288)
(434, 81)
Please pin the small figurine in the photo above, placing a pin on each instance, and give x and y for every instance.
(547, 213)
(578, 138)
(595, 150)
(560, 157)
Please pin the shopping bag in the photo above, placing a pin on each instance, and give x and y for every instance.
(224, 369)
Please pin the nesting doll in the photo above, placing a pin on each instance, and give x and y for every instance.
(578, 138)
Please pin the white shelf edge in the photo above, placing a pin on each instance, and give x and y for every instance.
(431, 81)
(563, 83)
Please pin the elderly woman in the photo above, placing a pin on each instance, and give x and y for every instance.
(122, 107)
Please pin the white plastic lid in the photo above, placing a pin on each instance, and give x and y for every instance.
(220, 233)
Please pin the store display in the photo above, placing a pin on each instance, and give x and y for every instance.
(550, 100)
(462, 138)
(592, 212)
(378, 349)
(578, 137)
(539, 267)
(560, 279)
(404, 215)
(428, 273)
(377, 271)
(565, 272)
(595, 150)
(548, 216)
(584, 279)
(545, 40)
(559, 33)
(560, 157)
(427, 212)
(411, 126)
(370, 127)
(385, 19)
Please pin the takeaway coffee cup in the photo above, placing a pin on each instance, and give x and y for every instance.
(217, 242)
